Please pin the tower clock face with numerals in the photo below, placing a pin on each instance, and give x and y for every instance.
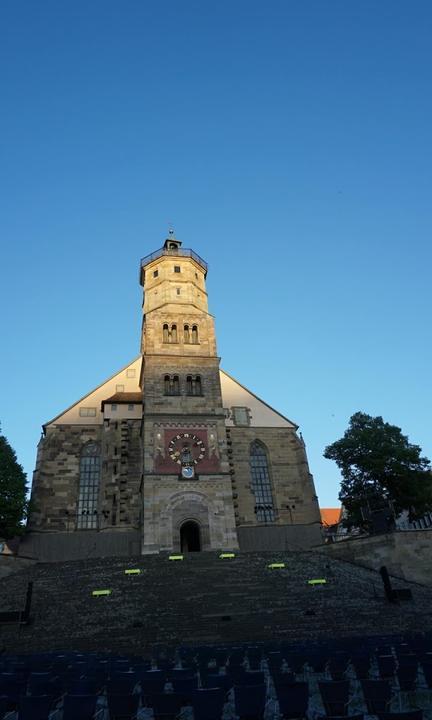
(186, 449)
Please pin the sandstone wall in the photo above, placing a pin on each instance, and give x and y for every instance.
(405, 554)
(292, 484)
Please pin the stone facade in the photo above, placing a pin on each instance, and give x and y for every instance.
(406, 554)
(170, 447)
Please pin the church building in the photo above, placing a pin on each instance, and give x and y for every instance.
(171, 454)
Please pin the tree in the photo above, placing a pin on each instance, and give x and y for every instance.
(13, 488)
(379, 465)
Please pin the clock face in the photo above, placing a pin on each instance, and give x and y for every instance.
(186, 449)
(188, 472)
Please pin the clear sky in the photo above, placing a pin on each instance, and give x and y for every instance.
(289, 143)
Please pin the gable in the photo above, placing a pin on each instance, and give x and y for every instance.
(261, 414)
(87, 410)
(90, 404)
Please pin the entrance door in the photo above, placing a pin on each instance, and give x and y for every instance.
(190, 540)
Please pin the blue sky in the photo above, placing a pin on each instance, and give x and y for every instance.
(288, 142)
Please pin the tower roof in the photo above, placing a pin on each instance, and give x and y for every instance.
(171, 247)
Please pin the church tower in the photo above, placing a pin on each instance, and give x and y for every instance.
(171, 453)
(186, 485)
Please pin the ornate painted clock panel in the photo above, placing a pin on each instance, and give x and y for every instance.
(177, 446)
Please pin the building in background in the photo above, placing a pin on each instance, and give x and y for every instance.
(171, 453)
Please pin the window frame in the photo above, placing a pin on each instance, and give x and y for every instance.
(88, 487)
(261, 483)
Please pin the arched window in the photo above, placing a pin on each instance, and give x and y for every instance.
(174, 333)
(261, 484)
(194, 334)
(87, 513)
(165, 334)
(171, 385)
(193, 385)
(186, 334)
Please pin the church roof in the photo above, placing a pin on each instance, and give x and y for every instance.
(234, 395)
(330, 516)
(123, 397)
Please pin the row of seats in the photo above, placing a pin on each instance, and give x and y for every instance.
(210, 682)
(206, 704)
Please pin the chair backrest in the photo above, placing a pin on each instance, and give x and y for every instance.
(386, 665)
(284, 679)
(249, 700)
(79, 706)
(122, 706)
(409, 715)
(208, 703)
(293, 699)
(335, 690)
(153, 681)
(185, 684)
(250, 678)
(379, 689)
(217, 681)
(121, 685)
(165, 703)
(377, 694)
(34, 708)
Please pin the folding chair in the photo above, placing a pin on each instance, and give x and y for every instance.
(123, 707)
(152, 682)
(408, 715)
(185, 687)
(249, 701)
(335, 697)
(377, 694)
(166, 706)
(208, 703)
(256, 677)
(211, 681)
(293, 700)
(79, 706)
(34, 707)
(386, 666)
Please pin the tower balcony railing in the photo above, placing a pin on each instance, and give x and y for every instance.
(177, 252)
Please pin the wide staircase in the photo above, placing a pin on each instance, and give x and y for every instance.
(203, 599)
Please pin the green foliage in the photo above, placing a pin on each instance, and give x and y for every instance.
(379, 465)
(13, 502)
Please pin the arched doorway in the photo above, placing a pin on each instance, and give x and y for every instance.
(190, 537)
